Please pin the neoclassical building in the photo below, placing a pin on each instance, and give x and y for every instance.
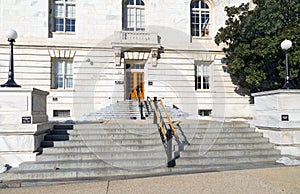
(89, 54)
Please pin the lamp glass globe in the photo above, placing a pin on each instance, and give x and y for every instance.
(11, 34)
(286, 44)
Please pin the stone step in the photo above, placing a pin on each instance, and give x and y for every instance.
(121, 112)
(103, 148)
(214, 130)
(60, 132)
(116, 133)
(213, 124)
(133, 163)
(117, 125)
(225, 160)
(63, 127)
(221, 135)
(137, 132)
(224, 153)
(216, 140)
(34, 177)
(101, 155)
(86, 137)
(94, 142)
(228, 146)
(224, 167)
(60, 137)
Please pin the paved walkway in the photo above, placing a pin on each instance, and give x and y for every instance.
(271, 180)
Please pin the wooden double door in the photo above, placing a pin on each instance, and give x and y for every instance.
(135, 88)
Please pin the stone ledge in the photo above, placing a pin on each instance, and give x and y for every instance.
(26, 129)
(285, 91)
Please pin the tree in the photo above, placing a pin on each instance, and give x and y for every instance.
(252, 41)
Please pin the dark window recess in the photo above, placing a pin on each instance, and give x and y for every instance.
(61, 113)
(204, 112)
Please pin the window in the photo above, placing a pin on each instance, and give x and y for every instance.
(200, 16)
(64, 15)
(61, 113)
(202, 77)
(204, 113)
(62, 74)
(133, 15)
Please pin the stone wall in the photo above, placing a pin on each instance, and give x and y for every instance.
(92, 47)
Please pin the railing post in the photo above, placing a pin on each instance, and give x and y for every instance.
(141, 110)
(155, 104)
(171, 161)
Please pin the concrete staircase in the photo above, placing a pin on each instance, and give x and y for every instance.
(111, 150)
(129, 109)
(218, 146)
(122, 110)
(126, 148)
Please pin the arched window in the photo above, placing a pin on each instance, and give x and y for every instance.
(133, 15)
(200, 16)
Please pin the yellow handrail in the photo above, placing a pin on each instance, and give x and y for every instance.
(158, 119)
(169, 120)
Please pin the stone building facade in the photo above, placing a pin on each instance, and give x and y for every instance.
(89, 54)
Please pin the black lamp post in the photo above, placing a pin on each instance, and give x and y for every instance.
(286, 45)
(11, 36)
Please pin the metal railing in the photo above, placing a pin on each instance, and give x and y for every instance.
(167, 116)
(167, 130)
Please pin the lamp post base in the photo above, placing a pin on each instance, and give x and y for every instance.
(287, 85)
(10, 83)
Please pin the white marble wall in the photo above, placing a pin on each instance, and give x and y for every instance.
(19, 140)
(95, 71)
(269, 108)
(99, 19)
(16, 103)
(271, 105)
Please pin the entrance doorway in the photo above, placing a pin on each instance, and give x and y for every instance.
(134, 81)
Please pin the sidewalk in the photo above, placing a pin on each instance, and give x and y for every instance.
(271, 180)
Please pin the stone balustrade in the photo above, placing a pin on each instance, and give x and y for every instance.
(145, 39)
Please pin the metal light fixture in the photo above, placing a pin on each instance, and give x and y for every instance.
(11, 36)
(286, 45)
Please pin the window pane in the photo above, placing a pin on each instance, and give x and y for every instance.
(195, 23)
(195, 4)
(68, 67)
(130, 18)
(139, 2)
(59, 81)
(206, 69)
(69, 81)
(71, 11)
(59, 25)
(129, 2)
(58, 67)
(206, 82)
(199, 70)
(199, 85)
(204, 5)
(59, 10)
(140, 19)
(70, 25)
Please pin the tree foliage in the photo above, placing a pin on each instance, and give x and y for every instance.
(252, 41)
